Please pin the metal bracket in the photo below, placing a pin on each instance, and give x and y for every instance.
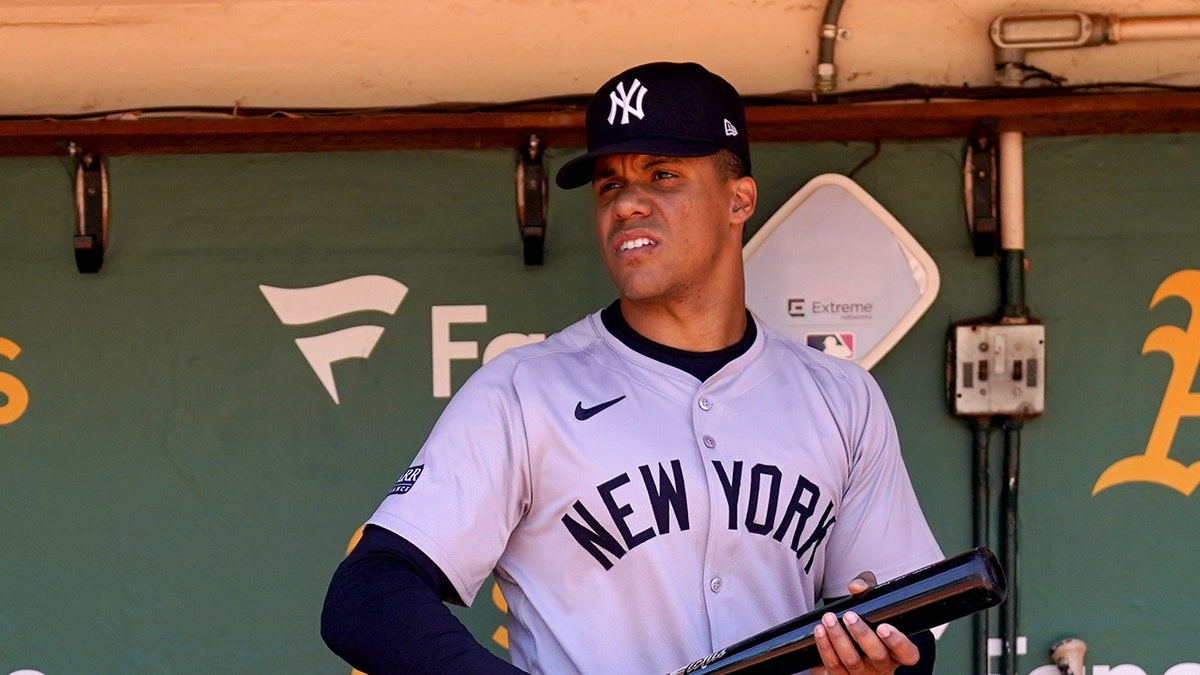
(980, 188)
(91, 211)
(533, 199)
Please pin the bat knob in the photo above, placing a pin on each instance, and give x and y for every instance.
(1068, 655)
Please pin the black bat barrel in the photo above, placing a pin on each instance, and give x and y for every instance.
(951, 589)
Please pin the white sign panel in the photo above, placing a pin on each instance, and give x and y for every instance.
(832, 268)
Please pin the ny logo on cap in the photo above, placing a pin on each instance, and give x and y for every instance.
(623, 102)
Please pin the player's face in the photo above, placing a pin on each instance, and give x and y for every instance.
(668, 228)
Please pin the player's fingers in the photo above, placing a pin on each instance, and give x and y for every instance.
(836, 647)
(863, 582)
(827, 652)
(902, 649)
(873, 649)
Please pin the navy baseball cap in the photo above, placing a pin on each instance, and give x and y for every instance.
(672, 109)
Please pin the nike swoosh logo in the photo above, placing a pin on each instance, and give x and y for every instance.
(582, 413)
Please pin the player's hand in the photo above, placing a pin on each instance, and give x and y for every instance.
(851, 647)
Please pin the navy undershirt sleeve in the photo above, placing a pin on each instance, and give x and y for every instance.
(385, 614)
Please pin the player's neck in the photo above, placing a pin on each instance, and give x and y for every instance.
(690, 327)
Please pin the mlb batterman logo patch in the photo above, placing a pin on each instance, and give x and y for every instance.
(407, 480)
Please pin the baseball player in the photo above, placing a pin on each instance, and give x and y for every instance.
(663, 478)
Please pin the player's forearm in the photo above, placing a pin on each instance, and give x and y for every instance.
(382, 617)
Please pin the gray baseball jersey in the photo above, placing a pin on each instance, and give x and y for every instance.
(636, 519)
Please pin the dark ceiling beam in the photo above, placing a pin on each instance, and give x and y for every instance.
(1166, 112)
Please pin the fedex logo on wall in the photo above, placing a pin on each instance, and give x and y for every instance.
(379, 295)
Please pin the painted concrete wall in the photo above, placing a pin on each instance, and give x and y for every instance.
(177, 483)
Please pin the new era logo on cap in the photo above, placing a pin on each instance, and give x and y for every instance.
(671, 109)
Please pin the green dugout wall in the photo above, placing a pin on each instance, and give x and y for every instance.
(177, 485)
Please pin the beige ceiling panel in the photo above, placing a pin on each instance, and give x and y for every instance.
(76, 57)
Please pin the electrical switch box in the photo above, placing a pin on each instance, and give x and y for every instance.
(996, 369)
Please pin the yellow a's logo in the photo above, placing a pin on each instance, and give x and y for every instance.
(1179, 401)
(11, 388)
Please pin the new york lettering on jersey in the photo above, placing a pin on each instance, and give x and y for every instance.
(756, 500)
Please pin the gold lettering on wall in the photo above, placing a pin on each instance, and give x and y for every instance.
(500, 636)
(1179, 401)
(14, 397)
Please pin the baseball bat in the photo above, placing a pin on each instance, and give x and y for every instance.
(944, 591)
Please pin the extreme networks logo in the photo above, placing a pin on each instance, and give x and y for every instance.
(830, 309)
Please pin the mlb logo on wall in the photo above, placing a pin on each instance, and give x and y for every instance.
(840, 345)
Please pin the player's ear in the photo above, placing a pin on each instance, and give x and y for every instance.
(745, 198)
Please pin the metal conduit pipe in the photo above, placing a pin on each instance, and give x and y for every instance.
(1012, 226)
(1013, 310)
(1015, 34)
(1128, 29)
(1012, 190)
(826, 71)
(981, 432)
(1008, 619)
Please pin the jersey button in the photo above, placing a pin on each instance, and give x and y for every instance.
(715, 584)
(710, 442)
(706, 403)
